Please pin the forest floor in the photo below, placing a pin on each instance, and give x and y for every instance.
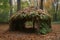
(16, 35)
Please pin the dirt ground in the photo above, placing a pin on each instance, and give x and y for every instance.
(16, 35)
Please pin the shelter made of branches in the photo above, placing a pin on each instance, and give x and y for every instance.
(36, 19)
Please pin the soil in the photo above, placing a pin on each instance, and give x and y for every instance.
(17, 35)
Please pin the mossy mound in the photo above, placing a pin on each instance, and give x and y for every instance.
(39, 20)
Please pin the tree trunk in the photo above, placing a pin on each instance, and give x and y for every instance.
(56, 10)
(18, 5)
(41, 4)
(10, 1)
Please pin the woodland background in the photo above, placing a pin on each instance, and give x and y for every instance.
(10, 7)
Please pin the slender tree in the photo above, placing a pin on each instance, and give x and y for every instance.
(56, 10)
(10, 1)
(41, 4)
(18, 5)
